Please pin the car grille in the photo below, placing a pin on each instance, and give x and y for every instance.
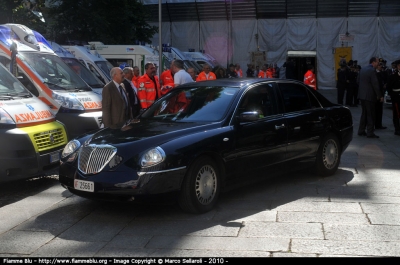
(93, 158)
(45, 140)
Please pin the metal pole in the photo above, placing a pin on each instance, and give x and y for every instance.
(160, 48)
(230, 50)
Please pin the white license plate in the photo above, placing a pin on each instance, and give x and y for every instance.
(83, 185)
(54, 157)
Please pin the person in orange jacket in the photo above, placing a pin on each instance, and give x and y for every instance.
(167, 80)
(309, 78)
(206, 74)
(136, 75)
(264, 73)
(238, 70)
(270, 71)
(149, 86)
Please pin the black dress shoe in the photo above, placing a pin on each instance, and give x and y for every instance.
(397, 133)
(362, 134)
(372, 136)
(381, 127)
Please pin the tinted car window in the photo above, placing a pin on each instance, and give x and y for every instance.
(323, 100)
(262, 99)
(205, 104)
(313, 100)
(295, 97)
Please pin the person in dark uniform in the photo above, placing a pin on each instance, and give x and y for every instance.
(342, 82)
(393, 88)
(353, 86)
(380, 74)
(231, 73)
(368, 94)
(290, 69)
(132, 91)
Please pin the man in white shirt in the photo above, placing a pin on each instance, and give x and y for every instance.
(180, 75)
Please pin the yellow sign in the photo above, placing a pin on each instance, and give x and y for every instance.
(342, 55)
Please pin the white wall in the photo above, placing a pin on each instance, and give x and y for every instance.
(373, 37)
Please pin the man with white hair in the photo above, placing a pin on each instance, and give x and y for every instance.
(116, 107)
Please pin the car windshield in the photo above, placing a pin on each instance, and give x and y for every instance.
(194, 104)
(105, 67)
(83, 72)
(10, 86)
(54, 72)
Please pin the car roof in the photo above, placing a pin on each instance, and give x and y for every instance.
(237, 82)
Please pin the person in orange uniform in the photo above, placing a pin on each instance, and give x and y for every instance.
(206, 74)
(149, 86)
(309, 78)
(167, 80)
(238, 70)
(264, 73)
(136, 75)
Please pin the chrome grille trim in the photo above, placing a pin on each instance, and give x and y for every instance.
(45, 140)
(93, 158)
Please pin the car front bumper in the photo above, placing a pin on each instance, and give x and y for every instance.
(123, 184)
(28, 152)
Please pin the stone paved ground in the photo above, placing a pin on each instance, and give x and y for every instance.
(354, 213)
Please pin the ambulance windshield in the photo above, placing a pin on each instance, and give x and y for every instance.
(10, 87)
(54, 72)
(83, 72)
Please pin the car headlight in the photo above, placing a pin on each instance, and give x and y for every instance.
(5, 118)
(71, 147)
(152, 157)
(67, 101)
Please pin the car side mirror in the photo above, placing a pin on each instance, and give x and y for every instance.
(248, 116)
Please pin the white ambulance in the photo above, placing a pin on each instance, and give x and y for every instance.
(78, 66)
(201, 58)
(131, 55)
(96, 63)
(174, 53)
(31, 138)
(46, 76)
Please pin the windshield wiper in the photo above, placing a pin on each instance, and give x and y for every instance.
(55, 86)
(6, 97)
(22, 95)
(96, 86)
(77, 89)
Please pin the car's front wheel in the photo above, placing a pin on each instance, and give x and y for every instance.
(328, 156)
(200, 188)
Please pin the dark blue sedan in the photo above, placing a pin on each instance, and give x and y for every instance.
(206, 136)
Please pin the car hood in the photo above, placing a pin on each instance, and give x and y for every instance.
(143, 129)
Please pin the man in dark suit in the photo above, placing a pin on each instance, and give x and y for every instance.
(132, 91)
(368, 93)
(116, 108)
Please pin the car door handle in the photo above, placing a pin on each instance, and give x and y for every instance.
(277, 127)
(322, 118)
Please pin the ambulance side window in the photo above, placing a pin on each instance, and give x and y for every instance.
(27, 83)
(5, 61)
(94, 71)
(21, 76)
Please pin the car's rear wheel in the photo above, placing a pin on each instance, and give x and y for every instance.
(328, 156)
(200, 188)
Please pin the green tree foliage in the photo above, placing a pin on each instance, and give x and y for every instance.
(20, 12)
(111, 22)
